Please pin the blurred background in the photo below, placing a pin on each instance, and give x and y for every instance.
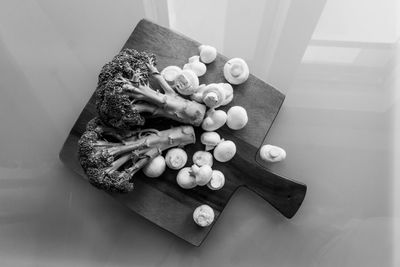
(337, 61)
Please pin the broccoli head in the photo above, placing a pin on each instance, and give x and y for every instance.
(110, 164)
(124, 98)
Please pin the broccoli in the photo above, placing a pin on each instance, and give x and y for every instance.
(110, 157)
(124, 98)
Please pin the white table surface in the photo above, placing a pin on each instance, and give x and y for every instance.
(338, 125)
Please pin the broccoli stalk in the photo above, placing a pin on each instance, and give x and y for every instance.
(111, 165)
(125, 98)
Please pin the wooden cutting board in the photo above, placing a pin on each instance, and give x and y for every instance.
(161, 200)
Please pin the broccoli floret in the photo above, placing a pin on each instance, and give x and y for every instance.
(109, 178)
(127, 63)
(110, 165)
(124, 98)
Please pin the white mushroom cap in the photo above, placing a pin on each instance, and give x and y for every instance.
(225, 151)
(199, 68)
(207, 53)
(217, 180)
(155, 167)
(236, 118)
(272, 153)
(210, 140)
(186, 82)
(185, 179)
(169, 73)
(214, 120)
(198, 94)
(213, 95)
(228, 89)
(202, 174)
(203, 215)
(176, 158)
(236, 71)
(201, 158)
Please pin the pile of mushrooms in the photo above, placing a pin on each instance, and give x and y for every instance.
(199, 172)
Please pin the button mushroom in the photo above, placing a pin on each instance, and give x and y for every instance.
(236, 118)
(210, 140)
(155, 167)
(214, 120)
(199, 68)
(198, 94)
(170, 73)
(225, 151)
(217, 180)
(201, 158)
(186, 82)
(207, 53)
(176, 158)
(202, 174)
(186, 179)
(213, 95)
(272, 153)
(203, 215)
(236, 71)
(228, 89)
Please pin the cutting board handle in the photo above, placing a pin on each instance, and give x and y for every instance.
(283, 194)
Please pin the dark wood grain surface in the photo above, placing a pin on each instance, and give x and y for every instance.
(161, 200)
